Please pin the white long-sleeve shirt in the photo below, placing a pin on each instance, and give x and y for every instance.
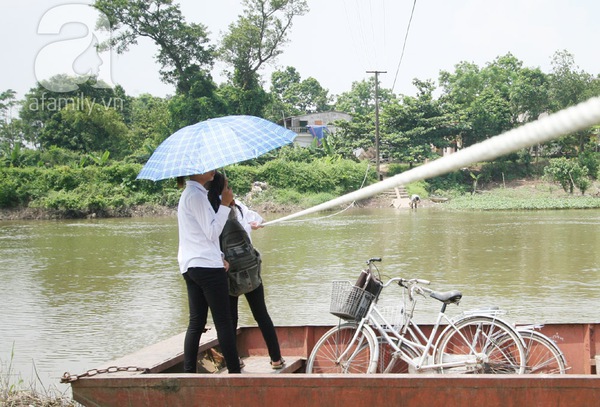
(199, 229)
(247, 217)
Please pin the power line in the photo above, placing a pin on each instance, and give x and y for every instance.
(356, 29)
(404, 45)
(373, 32)
(377, 120)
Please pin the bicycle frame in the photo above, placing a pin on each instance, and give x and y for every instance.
(461, 344)
(411, 335)
(418, 340)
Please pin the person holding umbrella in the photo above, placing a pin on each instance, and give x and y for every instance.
(249, 220)
(199, 149)
(202, 266)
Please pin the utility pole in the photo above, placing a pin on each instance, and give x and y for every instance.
(377, 120)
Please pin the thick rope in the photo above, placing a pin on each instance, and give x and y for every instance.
(579, 117)
(336, 213)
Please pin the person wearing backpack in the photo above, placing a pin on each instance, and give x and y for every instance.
(203, 269)
(244, 266)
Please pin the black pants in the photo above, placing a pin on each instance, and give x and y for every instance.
(256, 301)
(207, 288)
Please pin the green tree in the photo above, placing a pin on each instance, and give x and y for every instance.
(312, 97)
(415, 126)
(493, 99)
(11, 134)
(593, 89)
(184, 52)
(41, 105)
(360, 100)
(568, 86)
(282, 81)
(489, 115)
(256, 38)
(151, 124)
(293, 96)
(359, 133)
(7, 102)
(203, 101)
(86, 127)
(529, 96)
(462, 86)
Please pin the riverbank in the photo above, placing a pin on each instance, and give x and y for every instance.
(523, 194)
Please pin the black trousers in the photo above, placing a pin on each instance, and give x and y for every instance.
(256, 301)
(207, 288)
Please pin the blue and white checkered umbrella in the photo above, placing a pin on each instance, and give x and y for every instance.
(213, 144)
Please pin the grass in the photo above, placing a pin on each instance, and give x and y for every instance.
(535, 196)
(14, 392)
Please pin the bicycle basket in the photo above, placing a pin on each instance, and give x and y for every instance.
(349, 302)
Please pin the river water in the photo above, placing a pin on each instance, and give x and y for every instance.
(79, 293)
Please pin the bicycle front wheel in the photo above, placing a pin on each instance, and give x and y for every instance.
(543, 355)
(390, 362)
(343, 349)
(480, 344)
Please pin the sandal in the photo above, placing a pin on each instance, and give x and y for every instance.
(277, 365)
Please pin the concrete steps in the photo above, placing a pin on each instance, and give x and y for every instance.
(398, 197)
(398, 192)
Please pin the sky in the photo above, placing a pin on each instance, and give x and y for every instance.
(336, 42)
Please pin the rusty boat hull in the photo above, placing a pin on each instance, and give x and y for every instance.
(164, 384)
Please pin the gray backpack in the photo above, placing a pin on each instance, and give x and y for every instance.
(244, 260)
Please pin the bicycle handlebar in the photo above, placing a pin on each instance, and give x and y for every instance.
(403, 282)
(373, 259)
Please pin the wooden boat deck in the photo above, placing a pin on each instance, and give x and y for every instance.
(167, 356)
(261, 365)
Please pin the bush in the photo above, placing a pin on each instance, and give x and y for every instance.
(241, 178)
(459, 181)
(568, 173)
(21, 185)
(322, 175)
(296, 153)
(9, 197)
(395, 169)
(65, 178)
(590, 160)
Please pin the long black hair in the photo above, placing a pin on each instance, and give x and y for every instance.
(215, 188)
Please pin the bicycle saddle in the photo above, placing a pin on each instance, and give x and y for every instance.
(447, 297)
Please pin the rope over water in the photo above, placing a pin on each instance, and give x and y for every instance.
(579, 117)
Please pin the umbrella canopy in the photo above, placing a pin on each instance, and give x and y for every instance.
(213, 144)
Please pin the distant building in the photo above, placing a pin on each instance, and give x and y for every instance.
(313, 125)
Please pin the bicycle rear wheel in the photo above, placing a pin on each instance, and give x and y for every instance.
(542, 355)
(480, 344)
(337, 352)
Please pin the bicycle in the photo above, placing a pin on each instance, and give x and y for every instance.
(542, 354)
(466, 345)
